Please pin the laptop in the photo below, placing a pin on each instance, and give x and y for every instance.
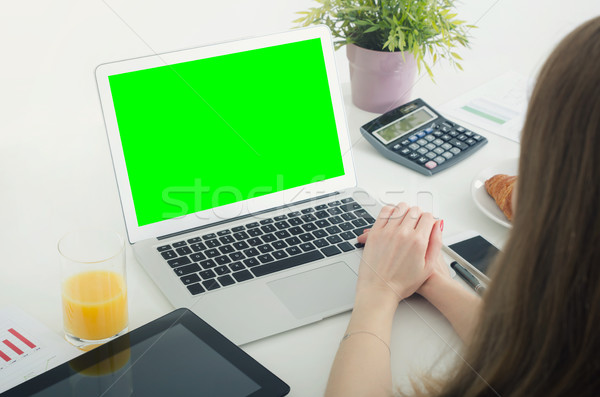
(235, 174)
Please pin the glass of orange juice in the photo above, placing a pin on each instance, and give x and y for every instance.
(94, 287)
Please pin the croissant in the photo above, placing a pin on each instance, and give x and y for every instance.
(500, 187)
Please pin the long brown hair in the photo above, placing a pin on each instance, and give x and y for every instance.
(539, 332)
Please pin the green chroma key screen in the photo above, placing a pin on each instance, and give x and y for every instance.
(209, 132)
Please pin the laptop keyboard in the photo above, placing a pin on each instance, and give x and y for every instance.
(241, 253)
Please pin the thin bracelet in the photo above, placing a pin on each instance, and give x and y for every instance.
(349, 334)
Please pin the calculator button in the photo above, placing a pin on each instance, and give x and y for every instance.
(413, 138)
(406, 151)
(396, 147)
(446, 146)
(448, 124)
(461, 137)
(446, 129)
(447, 155)
(438, 142)
(438, 133)
(429, 138)
(428, 130)
(422, 160)
(439, 159)
(446, 137)
(422, 142)
(421, 134)
(460, 129)
(471, 141)
(430, 146)
(431, 165)
(459, 144)
(405, 142)
(455, 150)
(453, 133)
(430, 155)
(468, 133)
(422, 150)
(436, 126)
(413, 146)
(413, 156)
(439, 150)
(477, 137)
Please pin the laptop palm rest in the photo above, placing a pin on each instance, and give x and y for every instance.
(317, 291)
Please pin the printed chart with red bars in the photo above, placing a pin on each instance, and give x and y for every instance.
(28, 347)
(14, 344)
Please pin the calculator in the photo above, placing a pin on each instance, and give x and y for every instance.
(418, 137)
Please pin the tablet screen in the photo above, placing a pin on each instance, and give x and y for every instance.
(144, 366)
(184, 357)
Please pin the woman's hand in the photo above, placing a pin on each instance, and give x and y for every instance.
(402, 252)
(440, 271)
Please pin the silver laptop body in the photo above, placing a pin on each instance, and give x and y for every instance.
(212, 143)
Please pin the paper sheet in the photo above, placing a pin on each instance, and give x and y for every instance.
(498, 106)
(28, 348)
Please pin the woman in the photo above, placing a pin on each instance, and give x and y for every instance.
(537, 330)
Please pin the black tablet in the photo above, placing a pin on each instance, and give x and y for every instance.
(176, 355)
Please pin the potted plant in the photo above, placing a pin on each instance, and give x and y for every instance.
(387, 41)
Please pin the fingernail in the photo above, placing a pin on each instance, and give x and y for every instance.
(366, 230)
(442, 225)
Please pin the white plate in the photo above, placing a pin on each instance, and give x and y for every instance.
(481, 197)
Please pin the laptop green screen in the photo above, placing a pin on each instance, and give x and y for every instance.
(205, 133)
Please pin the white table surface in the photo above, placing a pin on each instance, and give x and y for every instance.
(56, 172)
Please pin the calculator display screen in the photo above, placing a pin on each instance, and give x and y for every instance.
(405, 124)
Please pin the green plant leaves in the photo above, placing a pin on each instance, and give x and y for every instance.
(421, 27)
(373, 28)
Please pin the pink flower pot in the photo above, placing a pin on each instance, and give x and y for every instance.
(380, 80)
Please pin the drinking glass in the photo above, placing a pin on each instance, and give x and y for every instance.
(93, 286)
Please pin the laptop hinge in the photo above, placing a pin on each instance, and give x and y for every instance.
(166, 236)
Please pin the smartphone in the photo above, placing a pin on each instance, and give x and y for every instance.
(470, 248)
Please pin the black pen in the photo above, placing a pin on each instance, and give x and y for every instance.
(468, 277)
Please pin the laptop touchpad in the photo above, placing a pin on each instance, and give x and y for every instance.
(317, 291)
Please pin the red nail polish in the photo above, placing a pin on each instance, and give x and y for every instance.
(442, 225)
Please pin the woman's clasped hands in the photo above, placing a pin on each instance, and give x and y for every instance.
(402, 251)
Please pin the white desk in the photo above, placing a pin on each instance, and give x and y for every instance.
(56, 173)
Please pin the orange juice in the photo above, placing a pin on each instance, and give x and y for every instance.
(94, 304)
